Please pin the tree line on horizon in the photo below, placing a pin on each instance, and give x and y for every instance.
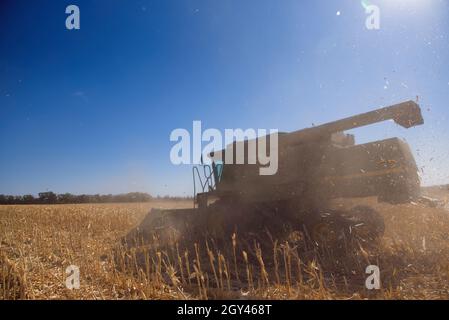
(68, 198)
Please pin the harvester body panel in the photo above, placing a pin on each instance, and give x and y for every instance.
(320, 163)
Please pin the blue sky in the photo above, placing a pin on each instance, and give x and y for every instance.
(91, 110)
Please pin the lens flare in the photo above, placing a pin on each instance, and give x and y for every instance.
(365, 4)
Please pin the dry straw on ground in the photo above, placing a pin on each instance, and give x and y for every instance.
(37, 243)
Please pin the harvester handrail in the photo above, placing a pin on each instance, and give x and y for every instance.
(208, 182)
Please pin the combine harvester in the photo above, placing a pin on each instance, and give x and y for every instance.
(316, 165)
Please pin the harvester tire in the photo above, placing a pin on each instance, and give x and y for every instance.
(328, 228)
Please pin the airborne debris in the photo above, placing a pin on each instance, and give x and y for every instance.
(431, 202)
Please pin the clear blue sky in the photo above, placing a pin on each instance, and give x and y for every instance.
(91, 110)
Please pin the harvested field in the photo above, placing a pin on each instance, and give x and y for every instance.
(38, 243)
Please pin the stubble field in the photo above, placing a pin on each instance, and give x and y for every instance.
(38, 243)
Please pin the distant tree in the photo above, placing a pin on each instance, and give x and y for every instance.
(52, 198)
(10, 200)
(65, 198)
(47, 197)
(28, 199)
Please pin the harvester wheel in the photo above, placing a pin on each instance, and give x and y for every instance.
(328, 228)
